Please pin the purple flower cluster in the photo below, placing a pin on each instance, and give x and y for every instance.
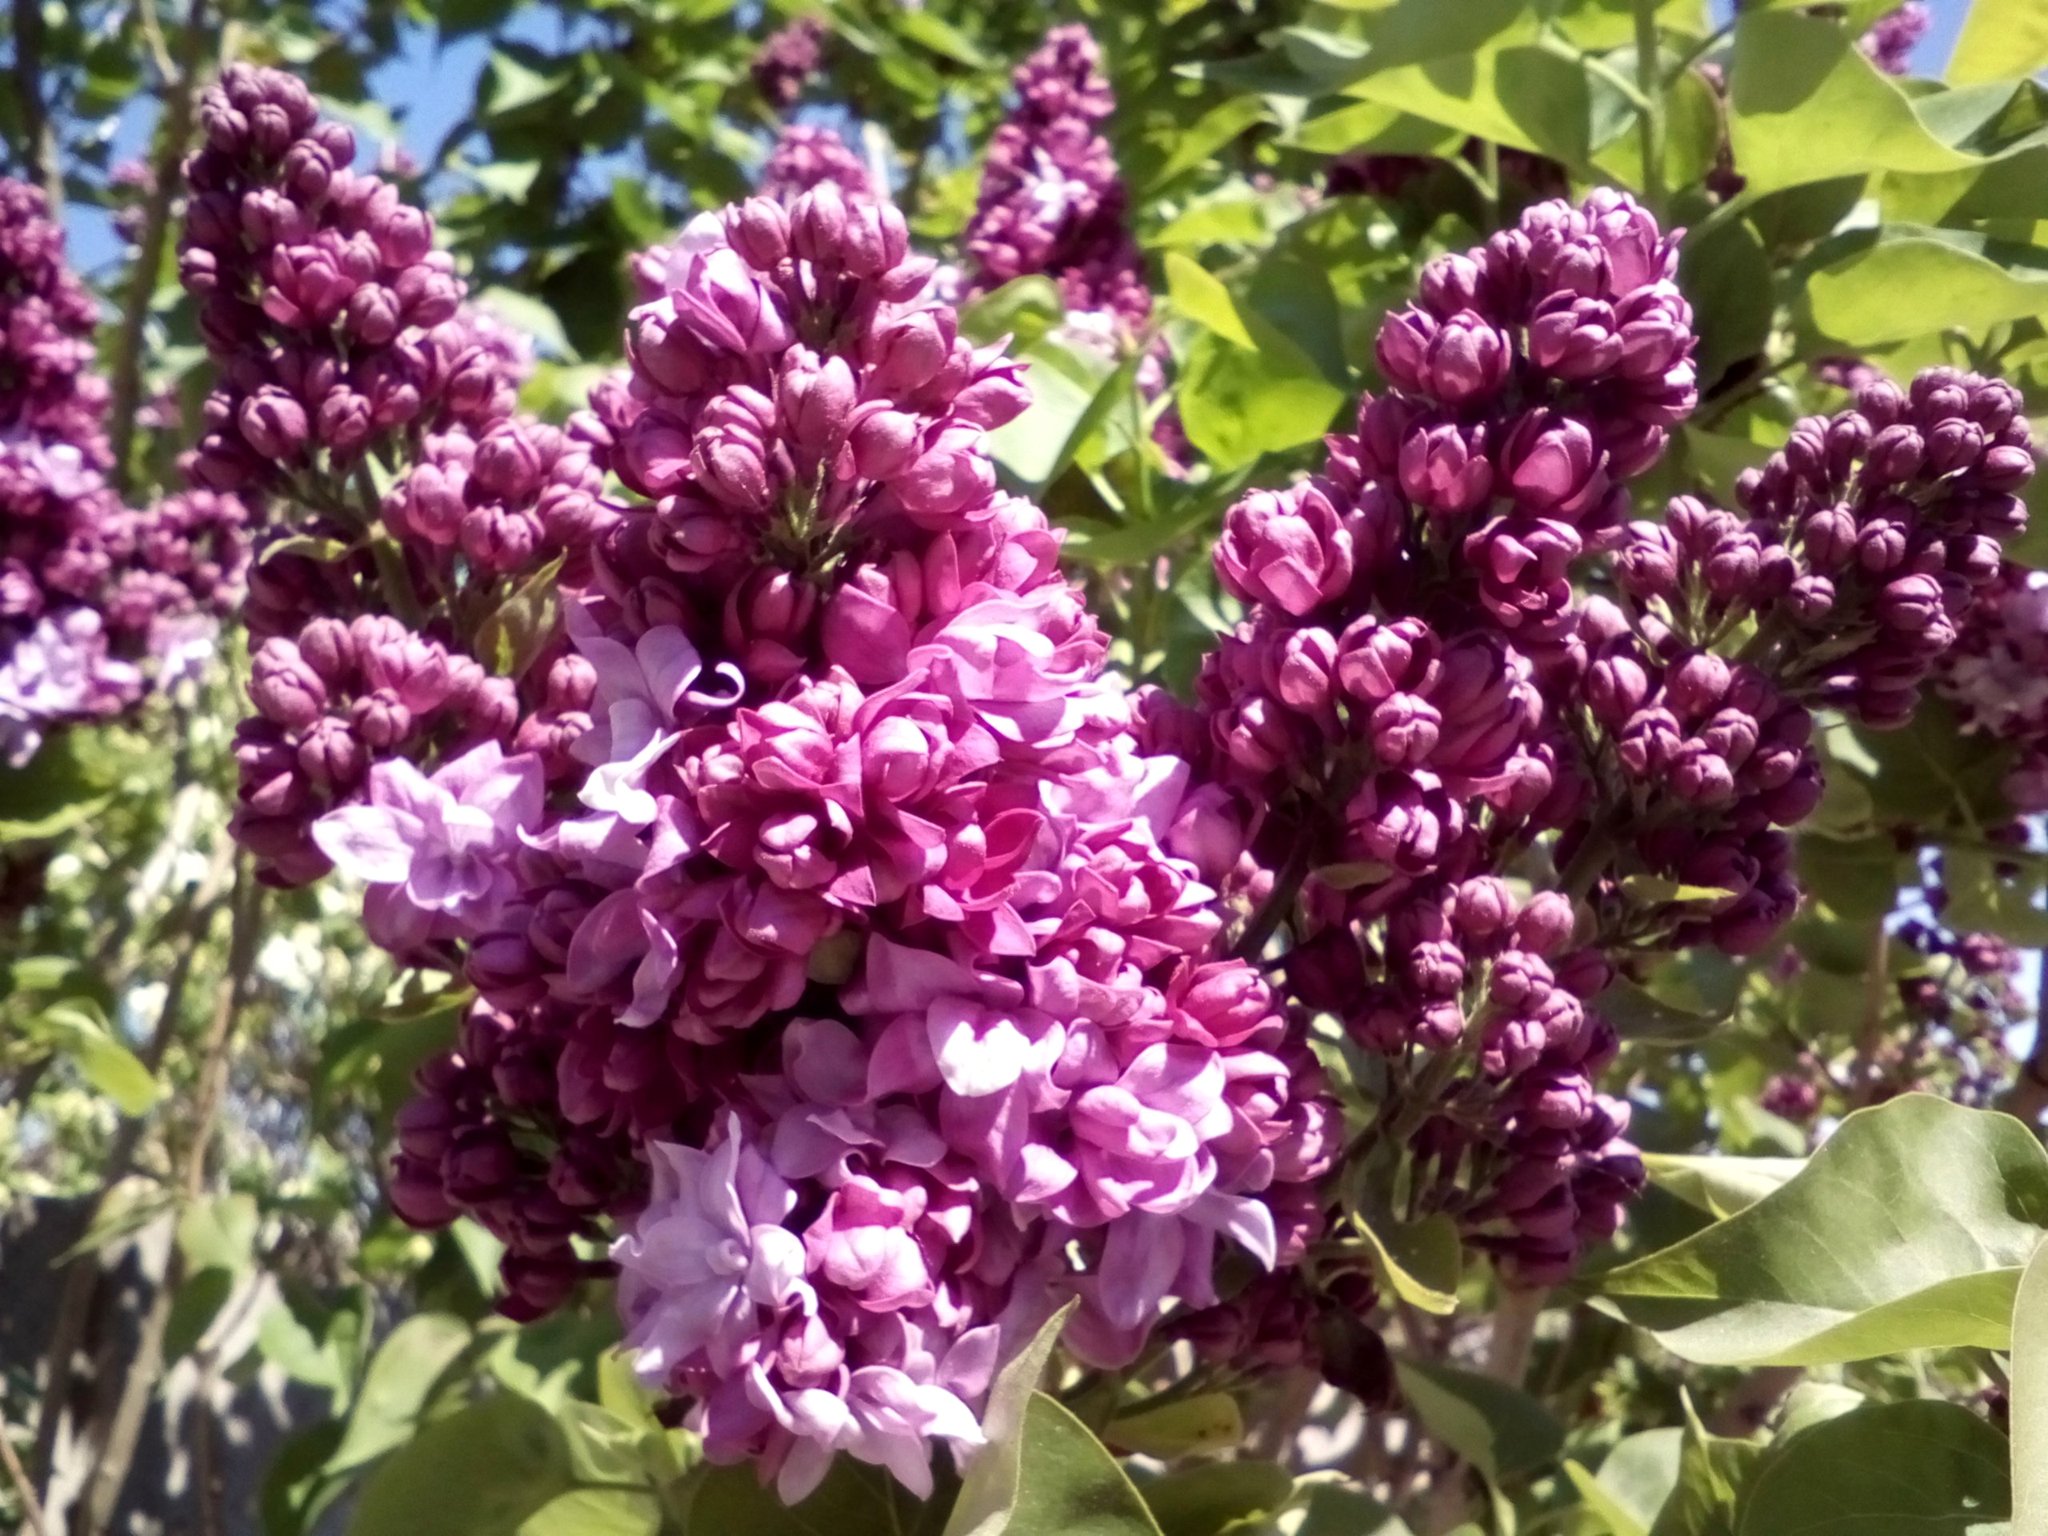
(1051, 199)
(343, 343)
(1397, 708)
(787, 58)
(335, 324)
(805, 157)
(1893, 36)
(862, 961)
(1420, 702)
(1997, 677)
(88, 588)
(1871, 530)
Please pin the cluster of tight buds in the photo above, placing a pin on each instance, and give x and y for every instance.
(1421, 703)
(94, 596)
(786, 60)
(1051, 199)
(804, 157)
(347, 358)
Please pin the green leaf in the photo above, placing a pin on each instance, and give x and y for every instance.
(1857, 877)
(515, 635)
(1202, 297)
(1203, 1500)
(1207, 1422)
(1068, 1484)
(1637, 1477)
(1238, 403)
(1332, 1509)
(1906, 1230)
(512, 84)
(941, 37)
(1208, 133)
(1024, 309)
(396, 1387)
(1421, 1260)
(853, 1500)
(2029, 1375)
(1656, 891)
(305, 546)
(1956, 283)
(1807, 106)
(484, 1471)
(219, 1233)
(988, 1493)
(1711, 1474)
(109, 1066)
(1615, 1519)
(1720, 1186)
(194, 1308)
(1499, 1428)
(2001, 40)
(1727, 276)
(1889, 1469)
(1065, 383)
(1639, 1014)
(596, 1512)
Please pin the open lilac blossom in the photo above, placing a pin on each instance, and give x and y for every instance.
(58, 670)
(435, 849)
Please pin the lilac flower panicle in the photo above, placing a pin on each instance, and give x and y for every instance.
(833, 925)
(1890, 42)
(1051, 200)
(804, 157)
(94, 597)
(787, 59)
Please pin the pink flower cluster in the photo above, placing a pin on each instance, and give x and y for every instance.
(804, 157)
(1051, 199)
(786, 60)
(1894, 35)
(335, 324)
(88, 588)
(862, 961)
(1997, 677)
(345, 349)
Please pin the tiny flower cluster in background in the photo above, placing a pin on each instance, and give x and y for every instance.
(95, 599)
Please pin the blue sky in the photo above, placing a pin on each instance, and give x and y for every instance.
(428, 86)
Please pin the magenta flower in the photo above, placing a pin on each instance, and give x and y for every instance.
(441, 844)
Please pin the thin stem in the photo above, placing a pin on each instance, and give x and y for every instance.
(39, 140)
(1698, 51)
(2028, 1095)
(187, 926)
(1578, 876)
(124, 1429)
(1286, 886)
(24, 1490)
(1514, 1332)
(1650, 115)
(392, 576)
(180, 90)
